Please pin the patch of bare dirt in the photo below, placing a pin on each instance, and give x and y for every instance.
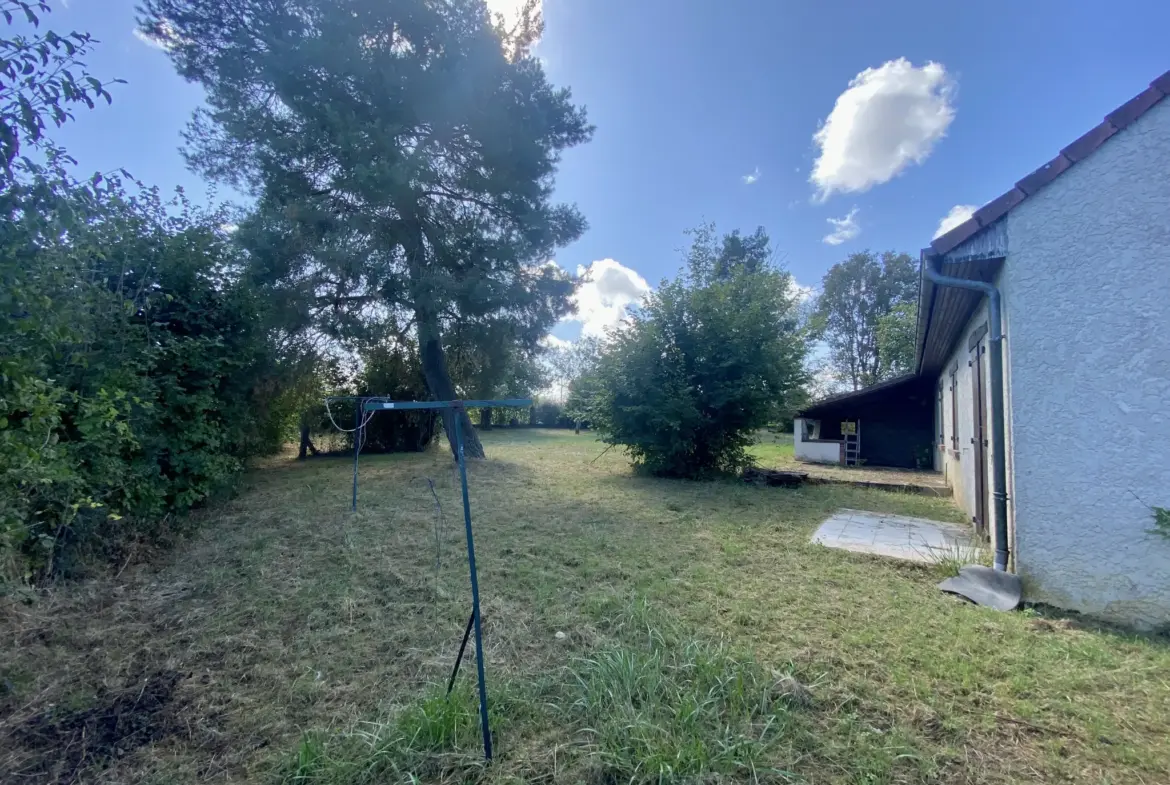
(65, 744)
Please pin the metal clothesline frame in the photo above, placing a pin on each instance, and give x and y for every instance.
(374, 404)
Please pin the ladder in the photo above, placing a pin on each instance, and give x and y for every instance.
(852, 433)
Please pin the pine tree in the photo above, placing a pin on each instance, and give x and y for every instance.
(402, 153)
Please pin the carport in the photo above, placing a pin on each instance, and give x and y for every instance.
(894, 423)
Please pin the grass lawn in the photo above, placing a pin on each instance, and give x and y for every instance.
(636, 630)
(773, 449)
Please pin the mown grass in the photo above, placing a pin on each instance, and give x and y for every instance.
(772, 449)
(704, 639)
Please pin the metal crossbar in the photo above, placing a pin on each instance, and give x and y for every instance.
(372, 404)
(380, 404)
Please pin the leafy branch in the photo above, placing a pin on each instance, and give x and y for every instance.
(41, 78)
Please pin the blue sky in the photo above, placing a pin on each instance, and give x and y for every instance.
(690, 97)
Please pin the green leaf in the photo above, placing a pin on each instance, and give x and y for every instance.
(29, 118)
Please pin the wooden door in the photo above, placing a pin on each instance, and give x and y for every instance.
(979, 440)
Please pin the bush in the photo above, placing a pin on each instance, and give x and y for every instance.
(551, 415)
(583, 394)
(710, 358)
(396, 373)
(134, 366)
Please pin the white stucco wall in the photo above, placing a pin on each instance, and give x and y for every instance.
(959, 462)
(1087, 300)
(959, 465)
(815, 451)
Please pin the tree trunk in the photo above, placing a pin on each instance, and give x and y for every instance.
(306, 443)
(434, 365)
(430, 345)
(485, 418)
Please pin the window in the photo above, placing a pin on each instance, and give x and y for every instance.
(810, 430)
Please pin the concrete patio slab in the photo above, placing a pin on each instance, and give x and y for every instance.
(896, 536)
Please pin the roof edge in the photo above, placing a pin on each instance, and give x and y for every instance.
(925, 301)
(1117, 120)
(844, 396)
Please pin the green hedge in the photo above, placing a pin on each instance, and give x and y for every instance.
(134, 367)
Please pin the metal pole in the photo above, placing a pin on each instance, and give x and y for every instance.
(357, 443)
(459, 656)
(483, 714)
(998, 442)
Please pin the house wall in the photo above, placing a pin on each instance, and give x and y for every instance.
(1087, 299)
(939, 426)
(813, 449)
(957, 454)
(958, 463)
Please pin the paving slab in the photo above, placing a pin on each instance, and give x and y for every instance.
(896, 536)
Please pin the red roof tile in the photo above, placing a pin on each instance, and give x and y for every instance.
(997, 207)
(1135, 107)
(1093, 139)
(1044, 175)
(1079, 150)
(959, 234)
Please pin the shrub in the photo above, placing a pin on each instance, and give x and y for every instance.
(396, 373)
(133, 366)
(551, 415)
(709, 358)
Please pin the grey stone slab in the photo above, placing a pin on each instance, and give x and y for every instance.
(895, 536)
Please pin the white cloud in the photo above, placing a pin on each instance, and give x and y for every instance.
(753, 177)
(510, 9)
(958, 214)
(553, 342)
(603, 300)
(888, 118)
(802, 294)
(843, 228)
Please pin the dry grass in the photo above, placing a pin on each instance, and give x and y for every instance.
(300, 642)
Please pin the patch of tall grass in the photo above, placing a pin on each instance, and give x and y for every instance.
(651, 706)
(430, 738)
(668, 713)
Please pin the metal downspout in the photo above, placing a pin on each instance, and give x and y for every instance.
(999, 452)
